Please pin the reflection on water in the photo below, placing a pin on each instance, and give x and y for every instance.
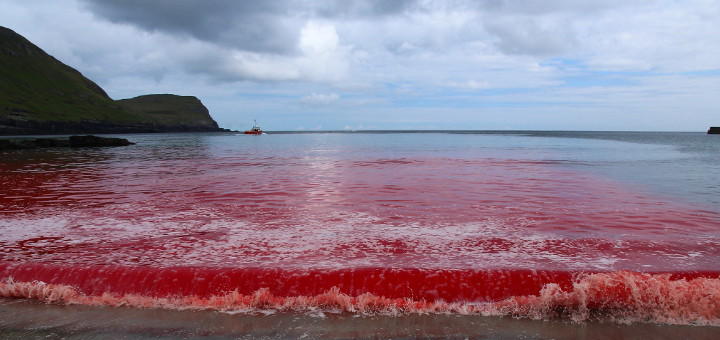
(336, 201)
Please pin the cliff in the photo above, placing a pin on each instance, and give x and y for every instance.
(171, 110)
(41, 95)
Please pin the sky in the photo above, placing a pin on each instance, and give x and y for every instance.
(399, 64)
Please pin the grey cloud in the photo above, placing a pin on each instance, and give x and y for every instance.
(367, 8)
(547, 6)
(542, 27)
(529, 36)
(538, 27)
(256, 26)
(261, 26)
(259, 40)
(274, 26)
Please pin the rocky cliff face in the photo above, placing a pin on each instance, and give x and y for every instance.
(41, 95)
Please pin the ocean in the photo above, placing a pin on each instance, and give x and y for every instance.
(395, 234)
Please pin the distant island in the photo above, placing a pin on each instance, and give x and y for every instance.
(41, 95)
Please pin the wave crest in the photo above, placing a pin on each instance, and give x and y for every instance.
(623, 296)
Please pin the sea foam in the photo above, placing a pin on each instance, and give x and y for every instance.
(623, 297)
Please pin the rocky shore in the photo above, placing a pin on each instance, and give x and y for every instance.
(72, 141)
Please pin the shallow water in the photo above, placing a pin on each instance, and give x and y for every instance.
(616, 227)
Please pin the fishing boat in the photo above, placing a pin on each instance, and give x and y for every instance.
(255, 130)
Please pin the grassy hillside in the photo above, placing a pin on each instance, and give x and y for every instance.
(36, 86)
(169, 109)
(39, 94)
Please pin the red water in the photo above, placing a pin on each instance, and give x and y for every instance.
(389, 235)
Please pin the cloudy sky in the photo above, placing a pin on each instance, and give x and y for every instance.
(399, 64)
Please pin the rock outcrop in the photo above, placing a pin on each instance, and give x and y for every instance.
(72, 141)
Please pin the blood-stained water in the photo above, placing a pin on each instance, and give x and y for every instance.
(533, 226)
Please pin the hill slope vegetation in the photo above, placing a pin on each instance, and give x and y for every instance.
(40, 94)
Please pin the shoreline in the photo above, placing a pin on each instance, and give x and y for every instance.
(26, 319)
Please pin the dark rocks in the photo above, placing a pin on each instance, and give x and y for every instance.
(7, 144)
(714, 130)
(50, 142)
(72, 141)
(32, 143)
(93, 141)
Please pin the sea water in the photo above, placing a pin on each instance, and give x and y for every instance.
(384, 234)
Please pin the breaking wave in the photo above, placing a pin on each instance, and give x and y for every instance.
(625, 297)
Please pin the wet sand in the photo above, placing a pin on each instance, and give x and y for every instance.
(27, 319)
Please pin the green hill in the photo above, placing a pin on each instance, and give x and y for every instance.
(39, 94)
(170, 109)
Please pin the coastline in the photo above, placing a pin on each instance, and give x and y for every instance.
(20, 128)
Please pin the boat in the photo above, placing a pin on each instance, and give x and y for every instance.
(255, 130)
(714, 130)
